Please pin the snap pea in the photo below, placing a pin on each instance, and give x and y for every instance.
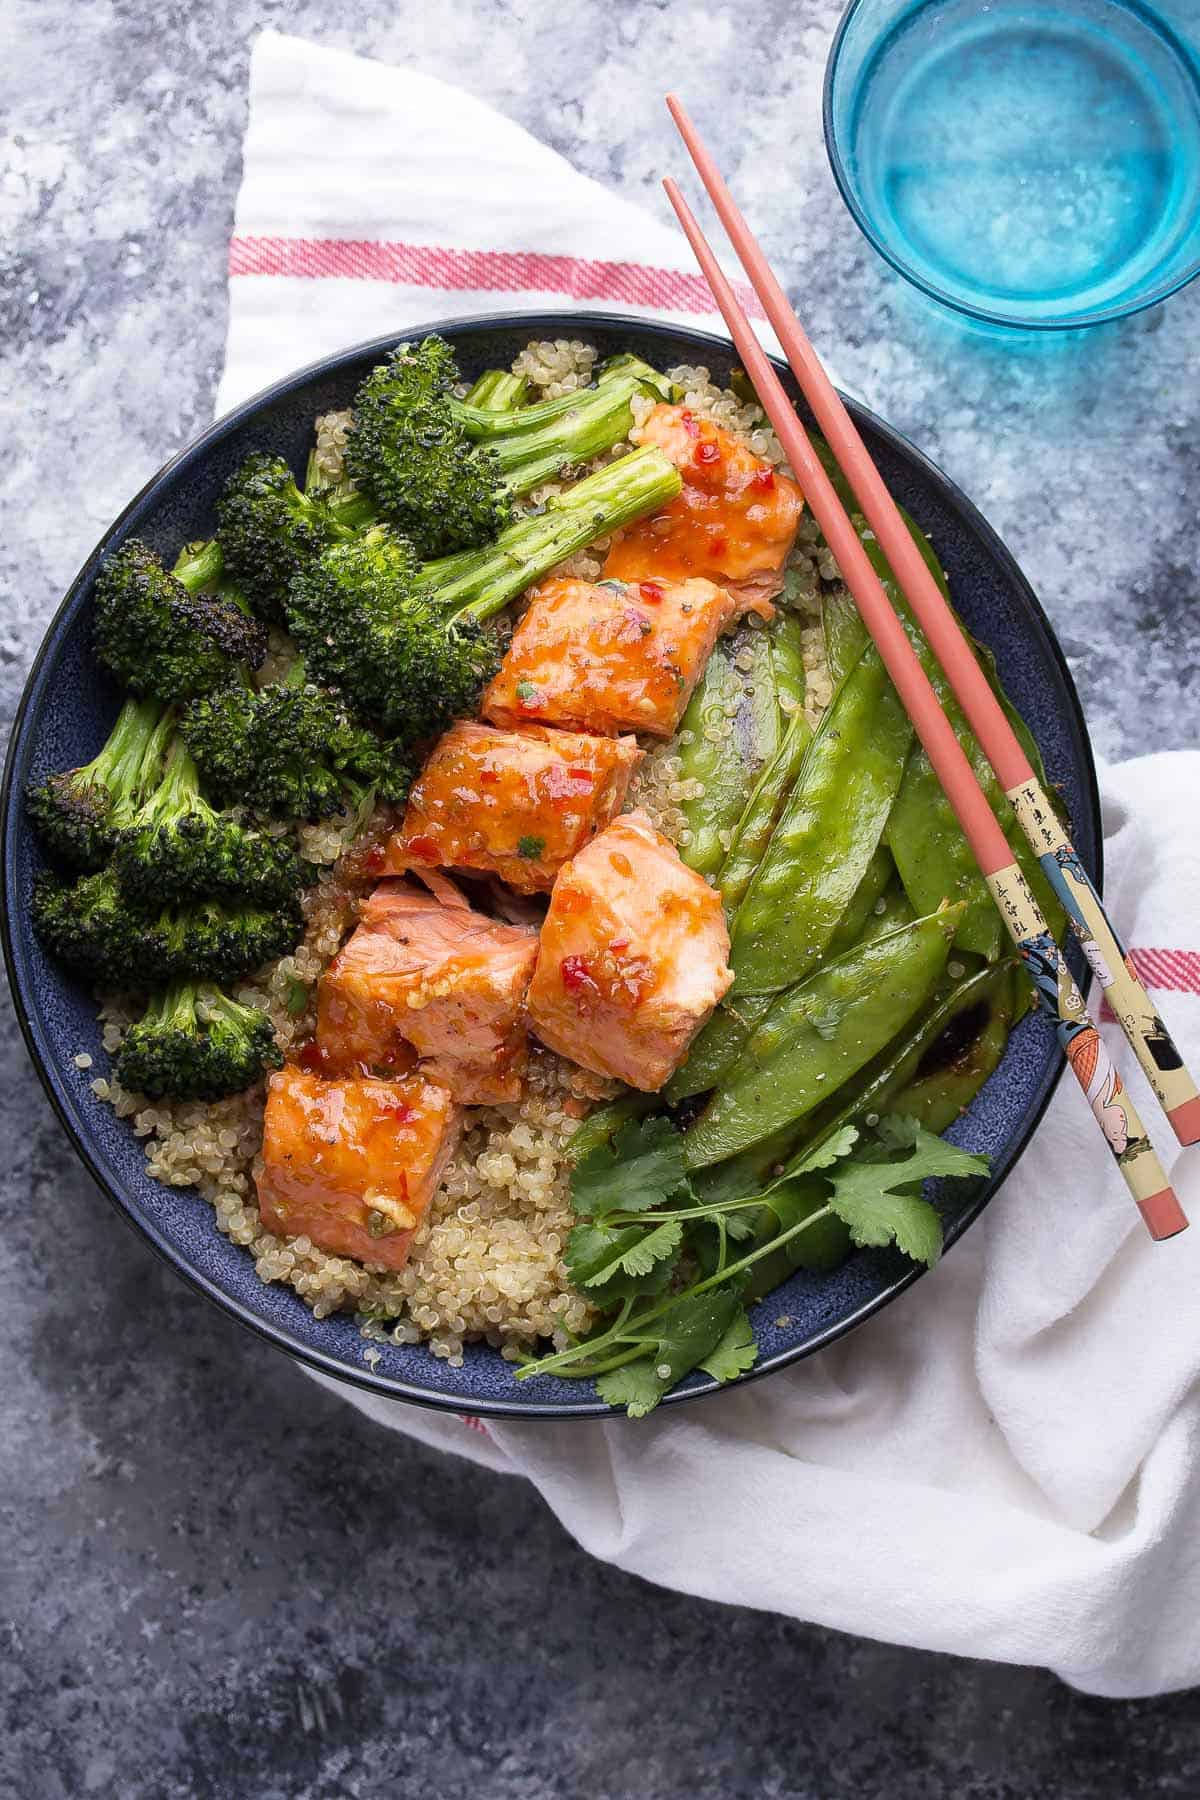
(870, 915)
(498, 391)
(872, 1092)
(933, 856)
(876, 877)
(828, 831)
(844, 633)
(785, 634)
(819, 1034)
(753, 831)
(713, 761)
(951, 1072)
(729, 734)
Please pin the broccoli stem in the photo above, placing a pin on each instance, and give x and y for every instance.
(130, 759)
(479, 583)
(178, 791)
(497, 391)
(199, 566)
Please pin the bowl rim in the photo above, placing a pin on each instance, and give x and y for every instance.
(1077, 321)
(392, 1387)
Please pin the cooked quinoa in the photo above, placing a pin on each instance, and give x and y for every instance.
(487, 1260)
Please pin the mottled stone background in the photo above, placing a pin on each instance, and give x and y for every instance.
(214, 1580)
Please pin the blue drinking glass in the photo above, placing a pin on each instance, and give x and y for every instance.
(1033, 163)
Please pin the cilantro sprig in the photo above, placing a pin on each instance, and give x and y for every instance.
(670, 1274)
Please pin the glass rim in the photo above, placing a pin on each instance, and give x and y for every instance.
(984, 315)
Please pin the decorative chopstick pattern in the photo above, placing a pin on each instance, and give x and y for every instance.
(1148, 1037)
(1055, 987)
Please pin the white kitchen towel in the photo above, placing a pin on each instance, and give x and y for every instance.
(1006, 1462)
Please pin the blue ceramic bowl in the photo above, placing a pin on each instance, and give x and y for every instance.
(69, 704)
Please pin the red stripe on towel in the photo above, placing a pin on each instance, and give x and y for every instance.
(505, 271)
(473, 1424)
(1176, 971)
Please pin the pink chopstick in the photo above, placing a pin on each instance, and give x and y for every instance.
(1148, 1036)
(1054, 985)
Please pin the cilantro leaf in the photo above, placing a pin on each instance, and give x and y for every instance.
(635, 1387)
(641, 1167)
(597, 1259)
(632, 1252)
(874, 1199)
(735, 1353)
(840, 1144)
(692, 1328)
(530, 847)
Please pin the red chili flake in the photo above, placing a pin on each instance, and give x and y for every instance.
(688, 421)
(312, 1058)
(488, 776)
(763, 479)
(576, 976)
(718, 545)
(375, 861)
(652, 591)
(561, 786)
(398, 1109)
(708, 452)
(423, 848)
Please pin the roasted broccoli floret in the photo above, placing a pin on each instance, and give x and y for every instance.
(403, 639)
(292, 750)
(86, 925)
(160, 635)
(92, 926)
(195, 1043)
(77, 814)
(177, 845)
(445, 472)
(268, 529)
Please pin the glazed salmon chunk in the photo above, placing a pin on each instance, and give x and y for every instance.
(430, 978)
(609, 656)
(353, 1164)
(634, 956)
(734, 522)
(515, 804)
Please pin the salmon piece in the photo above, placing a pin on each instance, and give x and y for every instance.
(353, 1164)
(515, 804)
(634, 956)
(609, 657)
(430, 979)
(734, 522)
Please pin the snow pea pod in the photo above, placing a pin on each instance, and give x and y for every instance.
(753, 831)
(870, 915)
(709, 755)
(602, 1125)
(854, 921)
(818, 1035)
(955, 1066)
(729, 734)
(827, 834)
(785, 634)
(866, 1095)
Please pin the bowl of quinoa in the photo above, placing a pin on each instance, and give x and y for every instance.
(486, 1281)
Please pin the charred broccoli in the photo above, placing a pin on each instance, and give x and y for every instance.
(176, 845)
(292, 750)
(445, 472)
(160, 634)
(268, 529)
(78, 814)
(403, 639)
(92, 926)
(195, 1043)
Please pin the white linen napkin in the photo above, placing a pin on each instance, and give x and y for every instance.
(1004, 1463)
